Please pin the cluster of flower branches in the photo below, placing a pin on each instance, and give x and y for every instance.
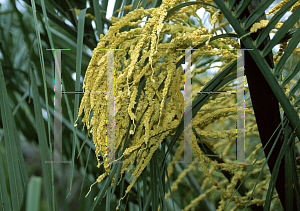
(143, 56)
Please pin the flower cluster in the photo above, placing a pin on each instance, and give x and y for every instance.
(262, 24)
(277, 7)
(144, 58)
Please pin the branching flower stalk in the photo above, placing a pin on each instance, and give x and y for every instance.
(144, 49)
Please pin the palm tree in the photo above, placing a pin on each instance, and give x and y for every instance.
(28, 28)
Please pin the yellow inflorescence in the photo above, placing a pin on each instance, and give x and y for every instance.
(281, 4)
(263, 24)
(161, 117)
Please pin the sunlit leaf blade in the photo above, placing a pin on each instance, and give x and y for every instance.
(153, 184)
(230, 4)
(139, 195)
(282, 31)
(295, 174)
(42, 138)
(161, 185)
(289, 50)
(259, 10)
(291, 74)
(288, 171)
(77, 84)
(274, 20)
(297, 100)
(3, 189)
(15, 162)
(108, 198)
(116, 7)
(47, 27)
(34, 194)
(241, 7)
(98, 18)
(294, 89)
(144, 3)
(41, 133)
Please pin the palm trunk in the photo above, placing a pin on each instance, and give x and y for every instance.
(266, 106)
